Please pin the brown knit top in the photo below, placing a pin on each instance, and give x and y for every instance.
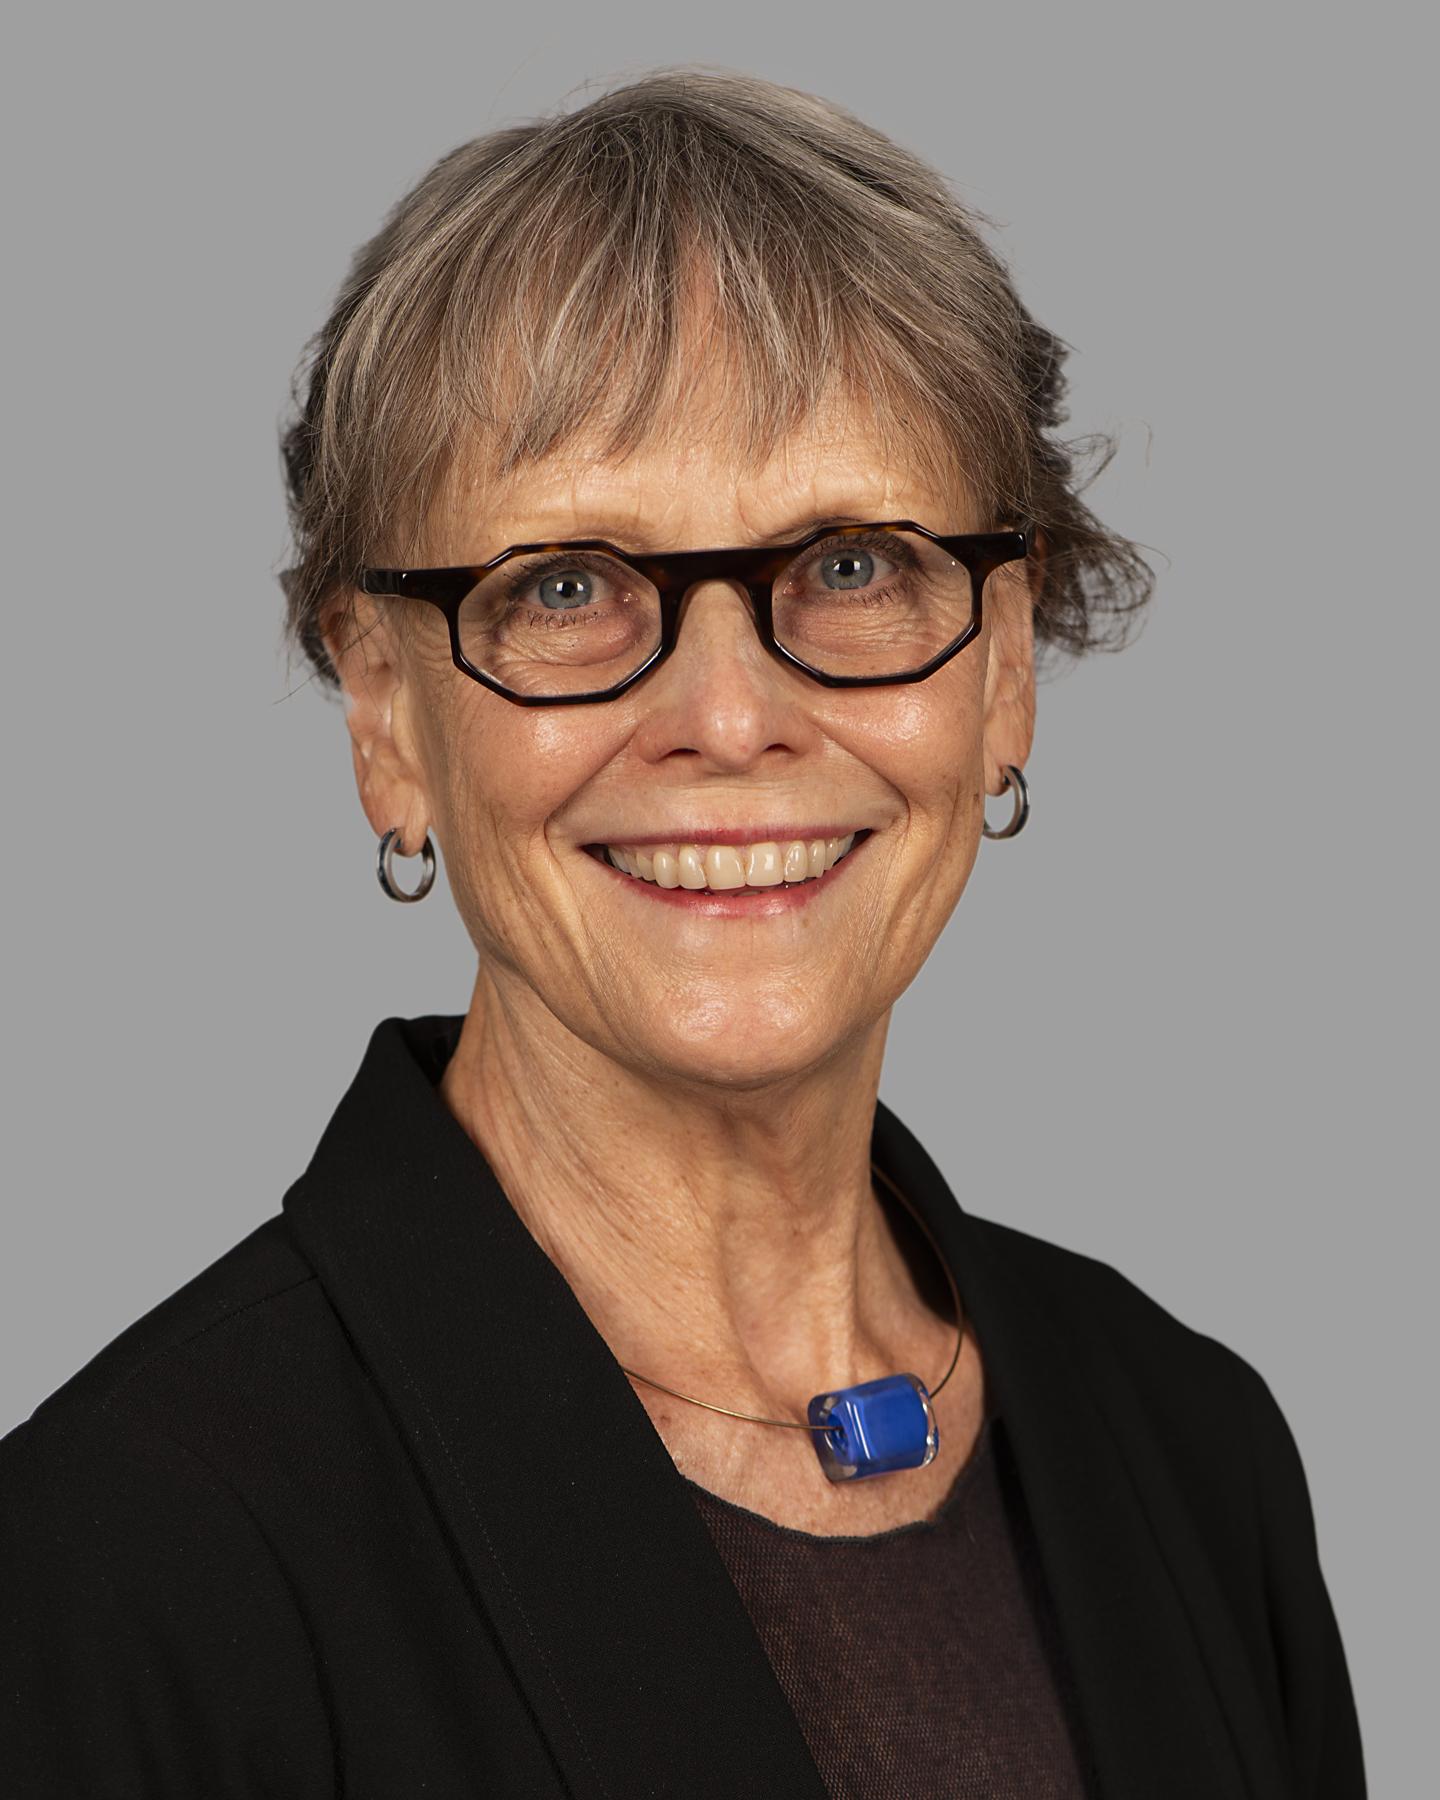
(922, 1663)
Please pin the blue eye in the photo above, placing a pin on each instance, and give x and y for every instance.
(847, 569)
(565, 589)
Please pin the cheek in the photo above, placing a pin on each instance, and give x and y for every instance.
(508, 771)
(926, 741)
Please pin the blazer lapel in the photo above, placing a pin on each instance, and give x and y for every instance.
(584, 1548)
(1155, 1657)
(581, 1543)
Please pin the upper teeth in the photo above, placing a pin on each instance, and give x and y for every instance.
(730, 865)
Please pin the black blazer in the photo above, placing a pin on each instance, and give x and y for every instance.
(368, 1508)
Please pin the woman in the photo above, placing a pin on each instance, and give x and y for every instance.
(621, 1402)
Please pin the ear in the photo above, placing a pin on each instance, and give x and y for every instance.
(379, 697)
(1009, 727)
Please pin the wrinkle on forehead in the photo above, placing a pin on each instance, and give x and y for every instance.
(721, 409)
(696, 473)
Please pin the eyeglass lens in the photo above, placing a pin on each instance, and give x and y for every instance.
(873, 603)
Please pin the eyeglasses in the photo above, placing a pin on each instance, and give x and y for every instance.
(850, 606)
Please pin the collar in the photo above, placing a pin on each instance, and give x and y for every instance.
(580, 1540)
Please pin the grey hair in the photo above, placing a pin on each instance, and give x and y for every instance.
(546, 278)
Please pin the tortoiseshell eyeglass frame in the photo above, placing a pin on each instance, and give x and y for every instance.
(674, 573)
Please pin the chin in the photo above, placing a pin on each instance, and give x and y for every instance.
(741, 1041)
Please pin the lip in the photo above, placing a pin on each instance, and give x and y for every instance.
(748, 903)
(737, 834)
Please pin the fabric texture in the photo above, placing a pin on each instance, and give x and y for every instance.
(921, 1660)
(367, 1508)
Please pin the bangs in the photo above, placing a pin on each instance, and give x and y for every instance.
(624, 338)
(624, 258)
(691, 252)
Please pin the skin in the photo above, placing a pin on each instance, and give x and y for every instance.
(679, 1108)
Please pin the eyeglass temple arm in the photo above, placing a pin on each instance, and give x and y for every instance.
(440, 585)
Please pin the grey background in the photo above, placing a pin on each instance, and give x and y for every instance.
(1180, 1024)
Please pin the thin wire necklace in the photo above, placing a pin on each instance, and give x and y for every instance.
(877, 1427)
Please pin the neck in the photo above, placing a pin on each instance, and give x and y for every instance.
(728, 1244)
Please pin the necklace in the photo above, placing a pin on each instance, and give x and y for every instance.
(878, 1426)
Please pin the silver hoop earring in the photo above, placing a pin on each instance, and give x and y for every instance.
(1016, 782)
(389, 844)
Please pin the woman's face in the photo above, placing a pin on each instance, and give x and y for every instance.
(720, 743)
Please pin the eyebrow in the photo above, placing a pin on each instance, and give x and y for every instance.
(797, 527)
(819, 522)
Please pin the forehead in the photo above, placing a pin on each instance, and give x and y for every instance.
(693, 485)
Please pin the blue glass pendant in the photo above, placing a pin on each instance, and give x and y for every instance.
(874, 1428)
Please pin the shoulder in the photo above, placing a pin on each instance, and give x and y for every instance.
(140, 1595)
(1190, 1384)
(1114, 1307)
(1202, 1430)
(258, 1273)
(99, 1453)
(133, 1431)
(104, 1467)
(1180, 1400)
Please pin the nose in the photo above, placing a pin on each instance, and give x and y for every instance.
(720, 696)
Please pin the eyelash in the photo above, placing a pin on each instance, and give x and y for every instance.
(517, 585)
(885, 543)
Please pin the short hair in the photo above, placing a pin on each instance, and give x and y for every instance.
(541, 279)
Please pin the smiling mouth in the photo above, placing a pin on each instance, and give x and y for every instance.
(735, 869)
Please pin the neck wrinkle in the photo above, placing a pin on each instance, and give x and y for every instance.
(741, 1255)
